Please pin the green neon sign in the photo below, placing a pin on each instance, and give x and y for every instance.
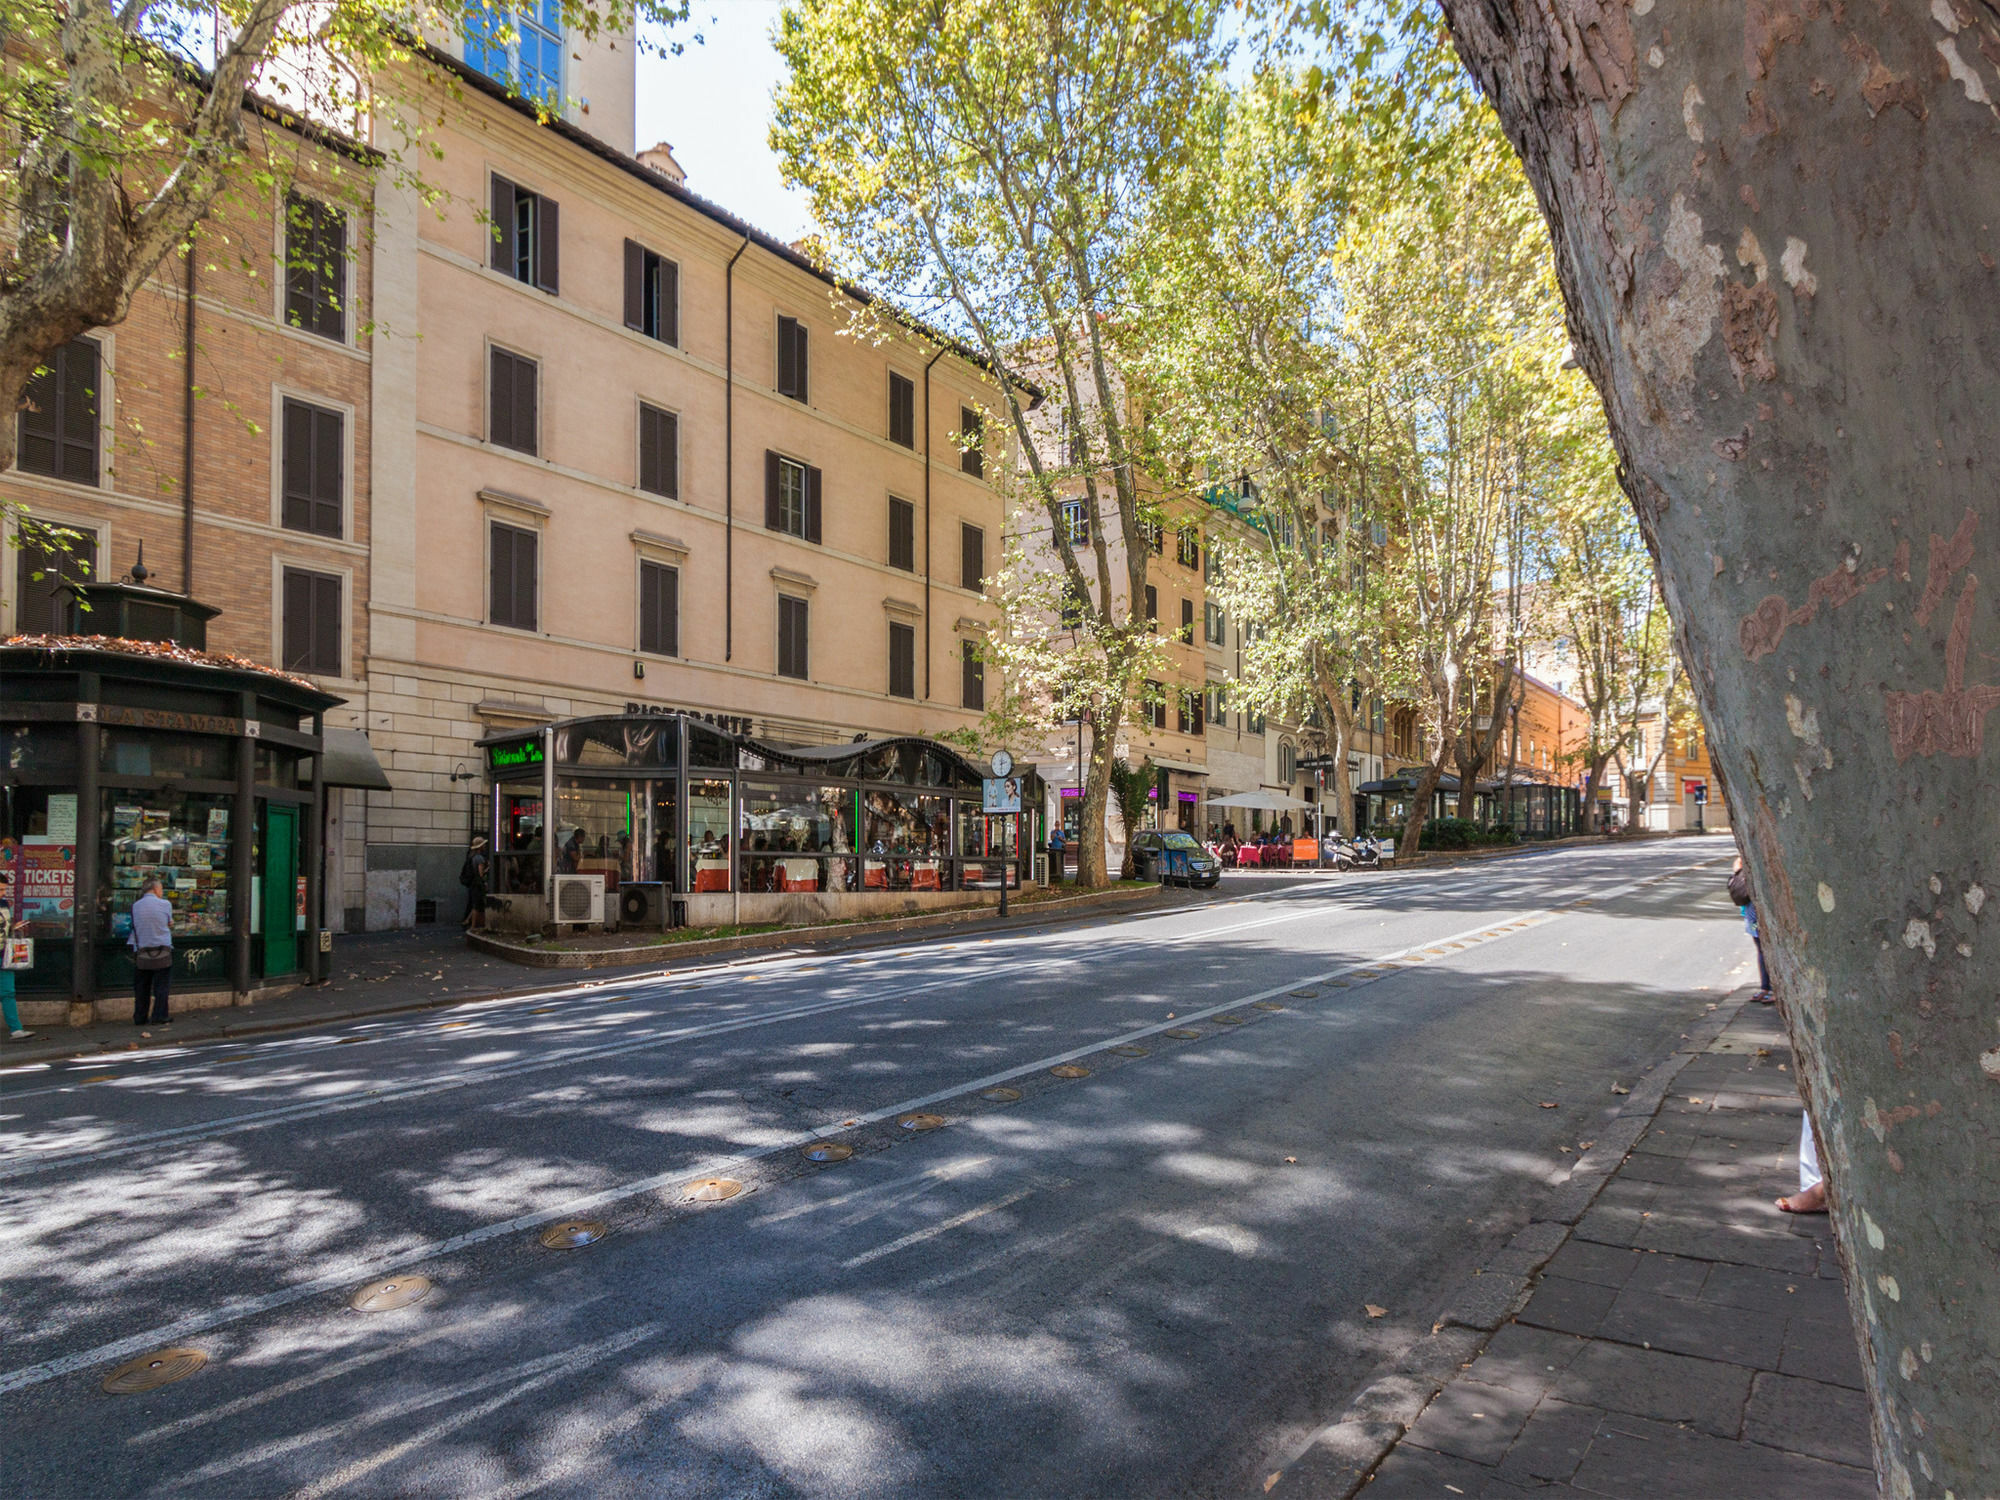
(513, 757)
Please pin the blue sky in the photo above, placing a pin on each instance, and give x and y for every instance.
(713, 105)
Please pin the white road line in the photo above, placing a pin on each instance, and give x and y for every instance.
(362, 1269)
(945, 1226)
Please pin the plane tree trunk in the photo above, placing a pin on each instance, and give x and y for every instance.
(1777, 226)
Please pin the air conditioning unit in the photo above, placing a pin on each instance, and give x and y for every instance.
(579, 900)
(643, 903)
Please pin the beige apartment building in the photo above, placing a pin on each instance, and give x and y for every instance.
(635, 460)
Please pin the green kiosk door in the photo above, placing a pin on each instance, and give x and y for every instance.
(281, 872)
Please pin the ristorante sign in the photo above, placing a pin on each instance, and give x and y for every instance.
(733, 723)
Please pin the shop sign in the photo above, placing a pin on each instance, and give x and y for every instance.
(161, 718)
(38, 880)
(731, 723)
(1000, 795)
(62, 818)
(514, 757)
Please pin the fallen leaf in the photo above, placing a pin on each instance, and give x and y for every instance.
(1548, 1104)
(1563, 1149)
(1619, 1088)
(1291, 1159)
(1693, 1100)
(1374, 1311)
(1438, 1327)
(1269, 1482)
(1585, 1145)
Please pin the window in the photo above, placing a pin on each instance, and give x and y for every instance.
(652, 294)
(521, 45)
(1187, 547)
(1288, 761)
(791, 637)
(971, 676)
(902, 535)
(659, 608)
(792, 361)
(312, 623)
(1218, 699)
(1156, 536)
(1076, 522)
(1253, 722)
(527, 235)
(310, 474)
(59, 555)
(1187, 622)
(902, 661)
(1213, 628)
(659, 452)
(1376, 715)
(1189, 716)
(512, 572)
(1155, 705)
(902, 410)
(513, 396)
(1152, 609)
(58, 423)
(315, 267)
(1075, 605)
(791, 497)
(971, 558)
(972, 441)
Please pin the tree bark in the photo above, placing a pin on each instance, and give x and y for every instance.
(1775, 223)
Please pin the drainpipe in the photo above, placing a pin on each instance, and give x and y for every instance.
(927, 533)
(187, 434)
(729, 453)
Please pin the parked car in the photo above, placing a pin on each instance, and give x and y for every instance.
(1174, 856)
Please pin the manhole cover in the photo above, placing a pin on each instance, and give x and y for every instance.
(1182, 1033)
(920, 1121)
(1271, 1004)
(1000, 1095)
(828, 1151)
(712, 1189)
(387, 1296)
(151, 1371)
(1303, 995)
(1069, 1070)
(574, 1234)
(1225, 1019)
(1128, 1050)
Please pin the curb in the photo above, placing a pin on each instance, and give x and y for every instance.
(785, 937)
(1342, 1456)
(831, 937)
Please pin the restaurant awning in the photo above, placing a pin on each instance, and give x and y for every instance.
(351, 762)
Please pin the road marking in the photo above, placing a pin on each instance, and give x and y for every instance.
(943, 1227)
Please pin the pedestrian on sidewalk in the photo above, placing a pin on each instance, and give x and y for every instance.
(9, 1013)
(472, 875)
(1058, 851)
(152, 943)
(1739, 892)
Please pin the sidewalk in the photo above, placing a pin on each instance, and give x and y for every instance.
(379, 973)
(1684, 1341)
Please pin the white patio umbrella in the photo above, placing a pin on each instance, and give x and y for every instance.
(1260, 802)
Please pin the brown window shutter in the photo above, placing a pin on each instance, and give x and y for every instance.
(670, 611)
(771, 519)
(326, 472)
(788, 368)
(812, 505)
(649, 449)
(500, 575)
(670, 455)
(500, 399)
(801, 364)
(296, 490)
(503, 221)
(548, 245)
(670, 303)
(39, 436)
(298, 619)
(526, 376)
(79, 411)
(635, 285)
(972, 558)
(326, 624)
(526, 545)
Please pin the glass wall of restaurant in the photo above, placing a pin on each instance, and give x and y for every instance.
(898, 816)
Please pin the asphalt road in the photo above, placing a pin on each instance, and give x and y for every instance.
(1151, 1280)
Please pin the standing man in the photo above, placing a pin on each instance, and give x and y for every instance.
(152, 944)
(472, 875)
(1058, 851)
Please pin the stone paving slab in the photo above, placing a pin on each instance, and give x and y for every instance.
(1682, 1341)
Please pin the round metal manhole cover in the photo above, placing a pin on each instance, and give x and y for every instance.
(1271, 1004)
(1069, 1070)
(828, 1151)
(1129, 1050)
(920, 1121)
(151, 1371)
(1182, 1033)
(574, 1234)
(1225, 1019)
(387, 1296)
(712, 1189)
(1001, 1095)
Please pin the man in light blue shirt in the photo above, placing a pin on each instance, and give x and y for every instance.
(152, 944)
